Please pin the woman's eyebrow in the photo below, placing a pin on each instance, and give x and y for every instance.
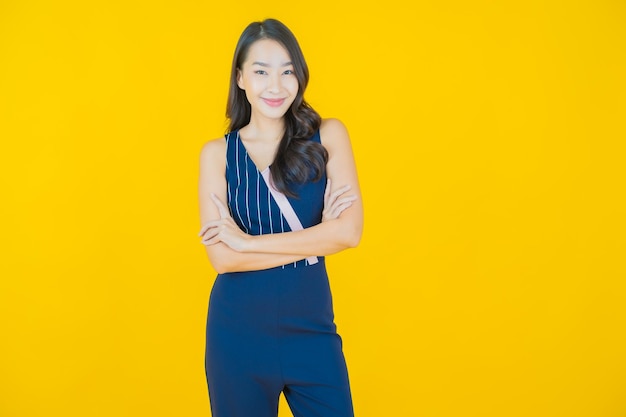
(263, 64)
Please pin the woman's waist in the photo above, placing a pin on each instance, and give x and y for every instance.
(301, 267)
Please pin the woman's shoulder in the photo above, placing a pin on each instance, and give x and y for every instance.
(332, 131)
(213, 149)
(332, 125)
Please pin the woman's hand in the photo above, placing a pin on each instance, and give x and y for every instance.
(337, 202)
(224, 230)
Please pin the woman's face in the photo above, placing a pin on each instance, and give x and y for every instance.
(268, 79)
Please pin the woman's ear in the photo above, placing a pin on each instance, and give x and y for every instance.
(239, 80)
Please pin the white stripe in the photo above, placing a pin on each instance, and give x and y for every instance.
(247, 191)
(228, 184)
(229, 197)
(282, 225)
(269, 210)
(258, 202)
(227, 140)
(238, 183)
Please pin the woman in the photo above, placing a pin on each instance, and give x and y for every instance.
(270, 212)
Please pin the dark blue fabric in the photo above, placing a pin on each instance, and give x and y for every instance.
(273, 330)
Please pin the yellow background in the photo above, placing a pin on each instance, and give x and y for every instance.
(489, 139)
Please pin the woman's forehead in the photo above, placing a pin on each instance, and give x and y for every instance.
(268, 52)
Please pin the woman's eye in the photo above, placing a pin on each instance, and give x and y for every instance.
(288, 72)
(260, 72)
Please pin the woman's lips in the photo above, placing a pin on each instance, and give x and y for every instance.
(274, 102)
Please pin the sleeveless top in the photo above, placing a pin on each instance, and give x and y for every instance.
(251, 204)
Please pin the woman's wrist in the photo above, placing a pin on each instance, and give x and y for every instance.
(250, 244)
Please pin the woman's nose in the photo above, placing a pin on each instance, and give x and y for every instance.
(274, 84)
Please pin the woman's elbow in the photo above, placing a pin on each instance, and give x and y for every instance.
(352, 237)
(354, 241)
(219, 262)
(220, 269)
(351, 230)
(223, 267)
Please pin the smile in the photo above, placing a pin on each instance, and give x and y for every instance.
(274, 102)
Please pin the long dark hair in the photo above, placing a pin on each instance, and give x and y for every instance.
(297, 158)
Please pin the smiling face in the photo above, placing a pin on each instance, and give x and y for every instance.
(268, 79)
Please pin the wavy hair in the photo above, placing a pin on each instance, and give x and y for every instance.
(298, 159)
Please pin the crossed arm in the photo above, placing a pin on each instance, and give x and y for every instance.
(231, 250)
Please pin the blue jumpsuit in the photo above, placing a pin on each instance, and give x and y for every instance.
(271, 331)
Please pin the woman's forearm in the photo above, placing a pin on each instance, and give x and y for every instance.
(323, 239)
(271, 250)
(224, 259)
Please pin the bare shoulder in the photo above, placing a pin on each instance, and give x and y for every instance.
(332, 131)
(213, 150)
(334, 137)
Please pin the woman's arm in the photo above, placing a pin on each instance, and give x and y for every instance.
(212, 181)
(323, 239)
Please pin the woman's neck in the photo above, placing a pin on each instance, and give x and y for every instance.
(264, 129)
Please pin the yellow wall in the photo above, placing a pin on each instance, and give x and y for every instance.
(490, 146)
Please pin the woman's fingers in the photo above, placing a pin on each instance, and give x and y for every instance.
(209, 237)
(224, 213)
(338, 192)
(341, 205)
(327, 193)
(330, 197)
(348, 199)
(208, 225)
(215, 233)
(225, 231)
(224, 216)
(340, 208)
(337, 202)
